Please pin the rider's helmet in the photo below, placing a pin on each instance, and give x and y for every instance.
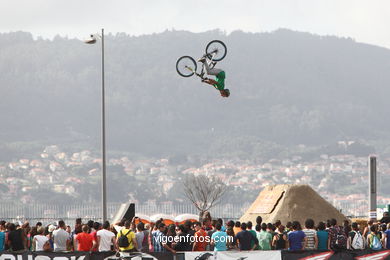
(225, 93)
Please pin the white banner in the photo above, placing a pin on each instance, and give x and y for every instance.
(234, 255)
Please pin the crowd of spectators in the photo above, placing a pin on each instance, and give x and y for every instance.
(92, 236)
(210, 235)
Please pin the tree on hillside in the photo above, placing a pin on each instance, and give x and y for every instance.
(203, 192)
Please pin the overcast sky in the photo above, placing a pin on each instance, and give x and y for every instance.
(364, 20)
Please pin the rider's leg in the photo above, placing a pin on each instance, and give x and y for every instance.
(213, 71)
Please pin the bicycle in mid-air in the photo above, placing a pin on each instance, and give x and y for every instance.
(215, 51)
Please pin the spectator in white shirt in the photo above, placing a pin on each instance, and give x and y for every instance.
(40, 241)
(140, 235)
(105, 238)
(61, 238)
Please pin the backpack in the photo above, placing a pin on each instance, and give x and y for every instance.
(375, 243)
(123, 240)
(357, 241)
(341, 239)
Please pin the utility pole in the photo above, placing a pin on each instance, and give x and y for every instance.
(372, 186)
(92, 40)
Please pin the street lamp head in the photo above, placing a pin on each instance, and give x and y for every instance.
(91, 39)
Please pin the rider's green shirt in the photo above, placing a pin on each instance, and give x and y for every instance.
(220, 79)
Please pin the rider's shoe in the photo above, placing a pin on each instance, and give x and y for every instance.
(203, 59)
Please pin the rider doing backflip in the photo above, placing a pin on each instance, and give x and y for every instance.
(219, 82)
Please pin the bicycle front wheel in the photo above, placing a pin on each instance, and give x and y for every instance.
(186, 66)
(217, 49)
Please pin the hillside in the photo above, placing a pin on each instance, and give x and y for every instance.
(287, 88)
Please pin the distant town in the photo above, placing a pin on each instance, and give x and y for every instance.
(341, 179)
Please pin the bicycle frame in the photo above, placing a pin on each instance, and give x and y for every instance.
(210, 62)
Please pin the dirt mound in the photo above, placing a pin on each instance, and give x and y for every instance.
(291, 202)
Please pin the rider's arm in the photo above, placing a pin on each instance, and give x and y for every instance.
(210, 81)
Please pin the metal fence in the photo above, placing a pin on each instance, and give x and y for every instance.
(356, 209)
(48, 213)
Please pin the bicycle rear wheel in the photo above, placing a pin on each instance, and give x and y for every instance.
(186, 66)
(217, 47)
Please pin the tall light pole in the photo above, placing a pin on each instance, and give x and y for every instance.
(93, 38)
